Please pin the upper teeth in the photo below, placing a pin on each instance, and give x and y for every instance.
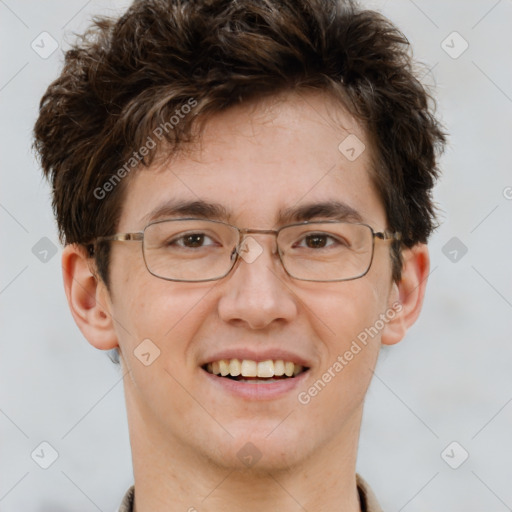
(248, 368)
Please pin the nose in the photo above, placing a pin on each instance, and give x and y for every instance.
(257, 290)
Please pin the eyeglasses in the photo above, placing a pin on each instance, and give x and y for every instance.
(194, 250)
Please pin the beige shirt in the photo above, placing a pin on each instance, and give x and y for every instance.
(368, 500)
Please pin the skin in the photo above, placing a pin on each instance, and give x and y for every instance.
(185, 433)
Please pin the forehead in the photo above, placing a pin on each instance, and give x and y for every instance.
(263, 164)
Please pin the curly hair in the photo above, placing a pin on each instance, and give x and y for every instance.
(125, 77)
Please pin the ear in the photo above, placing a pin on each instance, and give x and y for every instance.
(406, 296)
(88, 298)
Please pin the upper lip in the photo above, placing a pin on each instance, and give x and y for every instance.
(257, 355)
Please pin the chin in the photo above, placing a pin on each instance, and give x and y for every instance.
(259, 450)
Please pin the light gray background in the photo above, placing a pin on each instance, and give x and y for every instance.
(449, 380)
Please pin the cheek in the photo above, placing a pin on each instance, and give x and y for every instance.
(344, 317)
(340, 311)
(169, 314)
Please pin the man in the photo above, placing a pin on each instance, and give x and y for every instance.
(243, 189)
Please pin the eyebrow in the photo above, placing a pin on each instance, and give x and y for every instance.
(330, 209)
(184, 208)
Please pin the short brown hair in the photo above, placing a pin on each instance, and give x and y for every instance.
(125, 77)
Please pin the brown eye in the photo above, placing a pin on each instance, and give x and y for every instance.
(193, 240)
(320, 241)
(316, 241)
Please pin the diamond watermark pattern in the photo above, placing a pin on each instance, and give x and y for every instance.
(147, 352)
(249, 249)
(454, 249)
(44, 250)
(351, 147)
(454, 45)
(249, 454)
(454, 455)
(44, 45)
(44, 455)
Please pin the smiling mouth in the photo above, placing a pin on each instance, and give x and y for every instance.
(247, 370)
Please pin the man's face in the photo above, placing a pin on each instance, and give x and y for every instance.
(255, 161)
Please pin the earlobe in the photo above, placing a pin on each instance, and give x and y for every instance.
(408, 293)
(88, 298)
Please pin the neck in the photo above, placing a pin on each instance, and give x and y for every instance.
(171, 476)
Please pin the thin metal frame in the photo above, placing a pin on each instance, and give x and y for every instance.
(139, 237)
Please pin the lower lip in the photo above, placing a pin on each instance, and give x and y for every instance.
(256, 390)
